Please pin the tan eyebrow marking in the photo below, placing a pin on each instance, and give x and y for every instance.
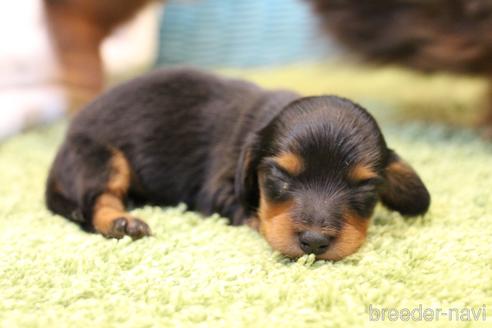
(290, 162)
(362, 172)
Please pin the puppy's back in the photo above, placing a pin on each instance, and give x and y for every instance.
(167, 124)
(170, 97)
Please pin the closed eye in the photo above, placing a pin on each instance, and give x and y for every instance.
(276, 182)
(272, 168)
(364, 195)
(373, 182)
(276, 189)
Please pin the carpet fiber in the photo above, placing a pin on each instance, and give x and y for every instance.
(203, 272)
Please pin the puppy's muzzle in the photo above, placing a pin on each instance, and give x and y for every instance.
(314, 242)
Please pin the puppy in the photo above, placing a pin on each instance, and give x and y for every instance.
(307, 172)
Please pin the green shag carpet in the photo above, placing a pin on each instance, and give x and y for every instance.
(201, 272)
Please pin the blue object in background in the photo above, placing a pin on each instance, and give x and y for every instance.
(238, 33)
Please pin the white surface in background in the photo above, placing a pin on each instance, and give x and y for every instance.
(26, 55)
(29, 93)
(28, 69)
(133, 45)
(30, 106)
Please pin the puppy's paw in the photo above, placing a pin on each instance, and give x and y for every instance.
(137, 229)
(133, 227)
(118, 228)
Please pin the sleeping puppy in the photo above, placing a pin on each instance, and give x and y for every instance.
(306, 172)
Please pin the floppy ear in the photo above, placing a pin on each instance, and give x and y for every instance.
(246, 178)
(403, 190)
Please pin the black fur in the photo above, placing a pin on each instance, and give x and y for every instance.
(203, 140)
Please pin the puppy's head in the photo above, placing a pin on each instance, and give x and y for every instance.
(314, 174)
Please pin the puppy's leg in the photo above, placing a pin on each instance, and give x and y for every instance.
(109, 216)
(88, 184)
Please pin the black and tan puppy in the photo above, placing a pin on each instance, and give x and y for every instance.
(307, 172)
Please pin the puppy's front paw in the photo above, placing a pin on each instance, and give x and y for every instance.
(137, 229)
(118, 228)
(133, 227)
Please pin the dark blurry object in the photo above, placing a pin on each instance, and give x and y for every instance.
(434, 35)
(78, 28)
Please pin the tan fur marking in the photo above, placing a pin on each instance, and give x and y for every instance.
(253, 223)
(400, 168)
(109, 205)
(278, 228)
(362, 172)
(281, 232)
(269, 209)
(350, 238)
(119, 181)
(397, 174)
(290, 162)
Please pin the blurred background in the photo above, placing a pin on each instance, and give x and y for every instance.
(56, 55)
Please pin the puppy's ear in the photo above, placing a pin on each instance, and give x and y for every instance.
(246, 179)
(403, 190)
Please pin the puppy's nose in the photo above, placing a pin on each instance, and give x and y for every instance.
(313, 242)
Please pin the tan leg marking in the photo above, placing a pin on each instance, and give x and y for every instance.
(110, 217)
